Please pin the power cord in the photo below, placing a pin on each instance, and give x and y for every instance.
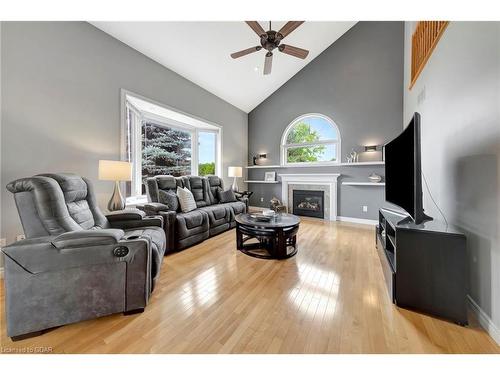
(433, 201)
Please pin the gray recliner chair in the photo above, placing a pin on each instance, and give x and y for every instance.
(75, 263)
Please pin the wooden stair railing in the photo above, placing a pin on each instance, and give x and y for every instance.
(424, 40)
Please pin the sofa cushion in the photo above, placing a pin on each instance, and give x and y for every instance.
(199, 187)
(169, 199)
(80, 200)
(237, 207)
(160, 182)
(218, 211)
(166, 182)
(218, 214)
(214, 184)
(186, 199)
(226, 196)
(191, 223)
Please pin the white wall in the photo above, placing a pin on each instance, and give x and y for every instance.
(61, 104)
(460, 109)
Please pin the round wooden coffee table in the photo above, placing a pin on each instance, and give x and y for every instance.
(276, 239)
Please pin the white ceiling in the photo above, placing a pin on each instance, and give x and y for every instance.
(199, 51)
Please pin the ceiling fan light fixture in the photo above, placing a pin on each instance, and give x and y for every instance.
(270, 40)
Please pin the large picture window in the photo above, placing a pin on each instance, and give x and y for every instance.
(165, 150)
(311, 139)
(160, 141)
(207, 153)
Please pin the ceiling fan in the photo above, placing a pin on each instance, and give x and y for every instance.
(270, 40)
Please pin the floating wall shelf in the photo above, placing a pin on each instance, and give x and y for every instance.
(364, 183)
(261, 182)
(263, 166)
(362, 163)
(358, 164)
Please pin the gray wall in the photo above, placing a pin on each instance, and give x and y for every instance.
(61, 104)
(351, 198)
(357, 82)
(459, 92)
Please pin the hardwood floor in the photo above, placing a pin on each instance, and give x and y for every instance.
(330, 298)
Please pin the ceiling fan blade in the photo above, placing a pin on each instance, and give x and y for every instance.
(256, 27)
(294, 51)
(289, 27)
(268, 63)
(244, 52)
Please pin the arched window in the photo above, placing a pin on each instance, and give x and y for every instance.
(311, 139)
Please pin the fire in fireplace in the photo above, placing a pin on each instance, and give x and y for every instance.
(308, 203)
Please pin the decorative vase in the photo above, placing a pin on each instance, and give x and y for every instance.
(117, 202)
(375, 178)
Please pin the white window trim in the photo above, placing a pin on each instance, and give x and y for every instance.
(136, 163)
(137, 168)
(284, 146)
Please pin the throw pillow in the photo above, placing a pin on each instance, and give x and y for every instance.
(169, 198)
(226, 196)
(186, 199)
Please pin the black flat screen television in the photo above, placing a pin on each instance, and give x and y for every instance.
(403, 171)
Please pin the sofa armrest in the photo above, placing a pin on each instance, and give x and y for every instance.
(243, 194)
(156, 207)
(54, 253)
(85, 238)
(168, 218)
(123, 215)
(244, 200)
(147, 221)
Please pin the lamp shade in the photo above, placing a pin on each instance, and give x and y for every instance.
(112, 170)
(235, 171)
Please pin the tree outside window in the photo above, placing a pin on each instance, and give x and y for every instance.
(311, 139)
(206, 153)
(165, 151)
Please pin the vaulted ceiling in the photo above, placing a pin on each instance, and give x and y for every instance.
(199, 51)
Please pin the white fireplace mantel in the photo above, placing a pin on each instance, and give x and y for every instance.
(327, 179)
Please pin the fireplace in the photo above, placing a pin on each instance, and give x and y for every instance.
(326, 182)
(309, 203)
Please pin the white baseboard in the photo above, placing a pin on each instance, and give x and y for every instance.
(484, 320)
(357, 220)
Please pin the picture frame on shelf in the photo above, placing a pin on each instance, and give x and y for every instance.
(270, 176)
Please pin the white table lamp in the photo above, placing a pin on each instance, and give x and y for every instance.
(110, 170)
(235, 172)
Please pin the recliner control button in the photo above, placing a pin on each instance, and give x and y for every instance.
(120, 251)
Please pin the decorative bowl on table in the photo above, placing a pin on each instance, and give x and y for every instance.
(261, 217)
(269, 213)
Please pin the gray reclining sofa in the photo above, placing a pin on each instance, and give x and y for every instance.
(210, 218)
(75, 263)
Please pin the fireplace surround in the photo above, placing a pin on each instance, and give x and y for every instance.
(326, 182)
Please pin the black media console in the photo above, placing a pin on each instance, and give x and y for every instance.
(424, 265)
